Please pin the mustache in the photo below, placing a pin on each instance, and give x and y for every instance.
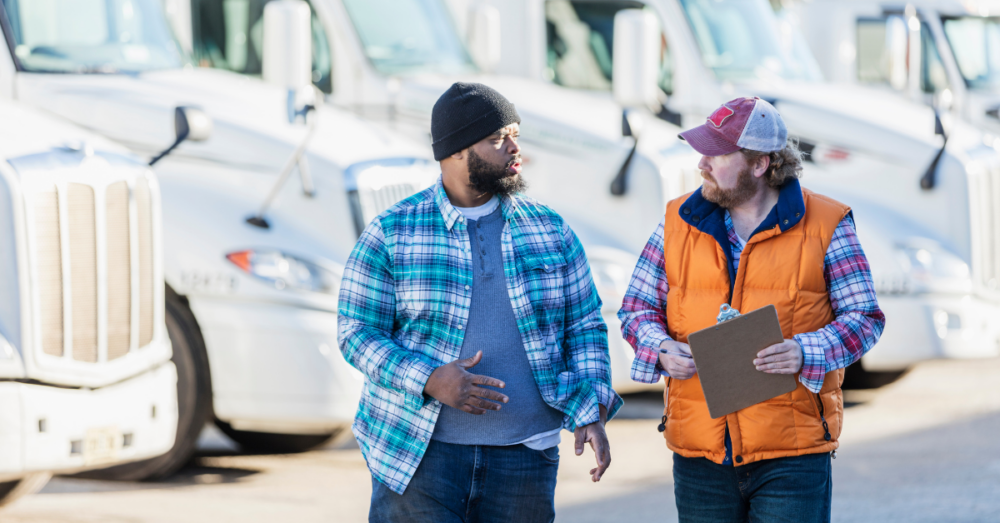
(515, 159)
(705, 175)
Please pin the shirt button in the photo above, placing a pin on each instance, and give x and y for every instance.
(687, 211)
(786, 222)
(467, 287)
(739, 459)
(423, 439)
(460, 327)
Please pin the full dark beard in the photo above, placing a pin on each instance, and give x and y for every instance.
(746, 188)
(491, 178)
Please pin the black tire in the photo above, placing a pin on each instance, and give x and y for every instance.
(270, 443)
(11, 491)
(194, 398)
(856, 377)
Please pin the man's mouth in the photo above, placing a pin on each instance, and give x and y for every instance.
(514, 166)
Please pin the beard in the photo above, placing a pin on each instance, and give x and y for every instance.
(486, 177)
(746, 188)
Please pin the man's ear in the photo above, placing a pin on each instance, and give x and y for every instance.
(761, 165)
(460, 155)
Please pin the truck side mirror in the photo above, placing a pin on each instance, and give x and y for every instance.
(635, 58)
(896, 51)
(287, 56)
(189, 124)
(484, 36)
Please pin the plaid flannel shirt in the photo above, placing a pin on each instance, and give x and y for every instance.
(405, 300)
(857, 325)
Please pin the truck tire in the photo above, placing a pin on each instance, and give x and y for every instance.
(270, 443)
(856, 377)
(194, 398)
(11, 491)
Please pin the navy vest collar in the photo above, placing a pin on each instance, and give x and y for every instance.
(709, 218)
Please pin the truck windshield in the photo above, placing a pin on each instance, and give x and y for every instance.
(741, 40)
(91, 36)
(411, 36)
(976, 44)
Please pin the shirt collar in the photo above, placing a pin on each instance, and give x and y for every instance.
(787, 213)
(451, 215)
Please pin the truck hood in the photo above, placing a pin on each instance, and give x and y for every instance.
(549, 113)
(36, 132)
(250, 123)
(858, 118)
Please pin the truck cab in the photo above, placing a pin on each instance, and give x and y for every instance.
(86, 377)
(921, 188)
(263, 187)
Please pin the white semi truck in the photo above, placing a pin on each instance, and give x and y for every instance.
(258, 216)
(389, 60)
(924, 205)
(86, 379)
(942, 53)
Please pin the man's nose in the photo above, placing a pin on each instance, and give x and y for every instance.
(512, 146)
(703, 164)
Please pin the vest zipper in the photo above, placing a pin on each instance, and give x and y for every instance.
(826, 429)
(666, 403)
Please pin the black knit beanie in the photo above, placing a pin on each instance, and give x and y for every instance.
(467, 113)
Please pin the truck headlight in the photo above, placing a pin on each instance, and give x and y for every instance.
(931, 268)
(287, 271)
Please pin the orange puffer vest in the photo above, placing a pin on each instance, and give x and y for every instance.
(782, 266)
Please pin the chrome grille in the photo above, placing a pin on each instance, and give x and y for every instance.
(84, 238)
(381, 188)
(119, 270)
(144, 211)
(49, 267)
(984, 193)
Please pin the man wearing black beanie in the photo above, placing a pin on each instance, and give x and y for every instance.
(470, 275)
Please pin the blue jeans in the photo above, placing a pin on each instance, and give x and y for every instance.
(473, 484)
(795, 490)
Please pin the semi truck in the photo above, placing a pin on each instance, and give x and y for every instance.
(941, 53)
(86, 378)
(259, 213)
(923, 190)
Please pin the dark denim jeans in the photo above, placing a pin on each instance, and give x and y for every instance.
(473, 484)
(794, 490)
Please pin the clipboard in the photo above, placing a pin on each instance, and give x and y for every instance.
(724, 354)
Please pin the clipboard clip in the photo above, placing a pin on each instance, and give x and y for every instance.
(727, 313)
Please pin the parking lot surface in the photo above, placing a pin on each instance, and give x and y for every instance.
(922, 449)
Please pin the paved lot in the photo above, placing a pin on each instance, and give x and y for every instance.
(926, 448)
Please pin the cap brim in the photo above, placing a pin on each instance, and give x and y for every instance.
(708, 142)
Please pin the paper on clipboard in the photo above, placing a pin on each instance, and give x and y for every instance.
(724, 355)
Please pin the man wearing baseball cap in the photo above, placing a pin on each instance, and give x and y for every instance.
(751, 236)
(472, 313)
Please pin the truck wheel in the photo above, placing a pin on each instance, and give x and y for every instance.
(270, 443)
(10, 491)
(194, 398)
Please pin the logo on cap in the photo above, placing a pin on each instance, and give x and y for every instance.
(720, 116)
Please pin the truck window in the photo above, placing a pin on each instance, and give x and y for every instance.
(873, 56)
(975, 42)
(580, 38)
(409, 37)
(91, 36)
(229, 34)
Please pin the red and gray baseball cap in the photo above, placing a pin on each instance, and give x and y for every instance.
(743, 123)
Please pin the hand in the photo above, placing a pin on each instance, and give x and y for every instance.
(678, 367)
(783, 358)
(454, 386)
(598, 439)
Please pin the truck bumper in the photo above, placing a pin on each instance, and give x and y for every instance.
(60, 430)
(923, 327)
(277, 368)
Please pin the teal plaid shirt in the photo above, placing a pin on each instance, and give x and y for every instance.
(404, 303)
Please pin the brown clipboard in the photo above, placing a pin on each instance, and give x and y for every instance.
(724, 354)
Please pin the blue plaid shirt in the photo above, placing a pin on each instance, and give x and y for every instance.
(404, 303)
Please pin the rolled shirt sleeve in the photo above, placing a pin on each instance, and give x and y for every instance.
(858, 321)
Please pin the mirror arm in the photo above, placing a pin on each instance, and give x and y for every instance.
(297, 159)
(180, 138)
(618, 184)
(929, 179)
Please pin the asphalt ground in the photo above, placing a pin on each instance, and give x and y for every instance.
(925, 448)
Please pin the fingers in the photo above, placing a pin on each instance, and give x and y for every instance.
(473, 410)
(602, 453)
(478, 379)
(489, 394)
(580, 439)
(468, 363)
(776, 358)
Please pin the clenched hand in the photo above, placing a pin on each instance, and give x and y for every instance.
(677, 362)
(453, 385)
